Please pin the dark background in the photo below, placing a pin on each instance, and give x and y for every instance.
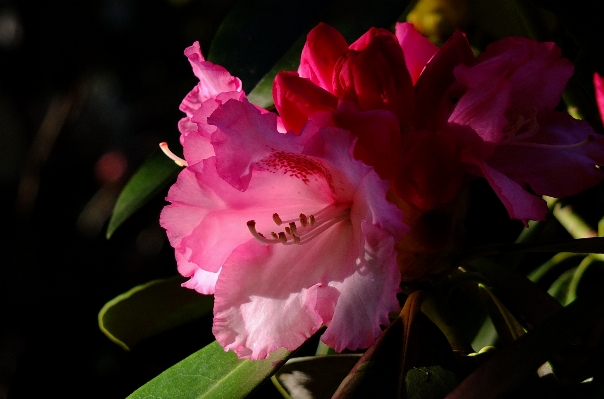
(87, 91)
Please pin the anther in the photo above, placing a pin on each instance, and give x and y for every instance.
(177, 160)
(282, 237)
(274, 235)
(311, 220)
(277, 219)
(303, 220)
(292, 228)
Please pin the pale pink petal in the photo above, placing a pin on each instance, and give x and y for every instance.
(566, 167)
(361, 307)
(324, 46)
(196, 139)
(599, 86)
(213, 79)
(240, 125)
(201, 280)
(418, 50)
(276, 296)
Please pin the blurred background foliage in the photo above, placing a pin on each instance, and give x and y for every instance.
(88, 90)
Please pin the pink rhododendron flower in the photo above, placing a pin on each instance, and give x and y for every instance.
(289, 232)
(368, 89)
(525, 144)
(429, 119)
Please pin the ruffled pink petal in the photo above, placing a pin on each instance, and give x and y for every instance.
(196, 142)
(535, 70)
(436, 94)
(240, 125)
(519, 203)
(418, 50)
(276, 296)
(297, 98)
(566, 168)
(599, 86)
(213, 79)
(201, 280)
(324, 45)
(361, 307)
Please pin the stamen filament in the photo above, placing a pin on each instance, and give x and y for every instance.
(310, 226)
(177, 160)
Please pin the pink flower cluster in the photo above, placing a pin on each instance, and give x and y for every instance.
(285, 218)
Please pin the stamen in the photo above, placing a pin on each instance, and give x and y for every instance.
(292, 228)
(588, 140)
(282, 238)
(277, 219)
(177, 160)
(303, 220)
(309, 227)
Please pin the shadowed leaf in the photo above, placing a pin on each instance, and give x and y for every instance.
(514, 364)
(314, 377)
(156, 173)
(151, 308)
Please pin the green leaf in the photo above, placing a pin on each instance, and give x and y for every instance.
(520, 295)
(432, 382)
(151, 308)
(212, 373)
(156, 173)
(316, 376)
(594, 245)
(512, 365)
(508, 328)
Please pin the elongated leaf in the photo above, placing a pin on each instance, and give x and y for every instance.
(511, 366)
(211, 373)
(508, 328)
(151, 308)
(593, 245)
(521, 296)
(316, 377)
(431, 382)
(156, 173)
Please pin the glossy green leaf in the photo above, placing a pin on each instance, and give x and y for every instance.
(508, 328)
(151, 308)
(431, 382)
(317, 377)
(212, 373)
(521, 296)
(156, 173)
(512, 365)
